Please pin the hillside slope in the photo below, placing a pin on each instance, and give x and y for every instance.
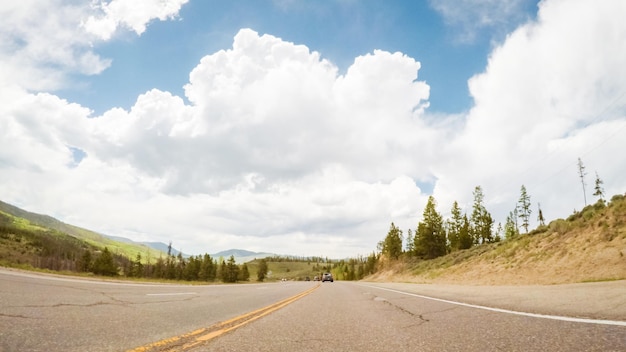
(588, 246)
(93, 238)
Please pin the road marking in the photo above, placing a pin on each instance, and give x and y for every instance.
(201, 336)
(499, 310)
(172, 294)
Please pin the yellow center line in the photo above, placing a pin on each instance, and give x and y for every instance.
(202, 335)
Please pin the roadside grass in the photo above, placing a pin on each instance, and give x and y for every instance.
(588, 246)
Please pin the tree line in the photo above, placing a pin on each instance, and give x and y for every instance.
(435, 237)
(194, 268)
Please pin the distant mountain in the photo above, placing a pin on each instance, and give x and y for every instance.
(235, 252)
(242, 255)
(118, 243)
(160, 246)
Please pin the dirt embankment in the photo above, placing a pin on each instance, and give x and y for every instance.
(568, 251)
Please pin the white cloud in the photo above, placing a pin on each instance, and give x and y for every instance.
(274, 145)
(134, 14)
(276, 151)
(41, 42)
(550, 94)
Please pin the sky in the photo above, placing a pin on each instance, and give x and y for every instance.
(306, 127)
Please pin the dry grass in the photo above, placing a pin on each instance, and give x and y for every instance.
(588, 246)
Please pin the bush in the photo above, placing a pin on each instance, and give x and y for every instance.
(617, 198)
(559, 226)
(538, 230)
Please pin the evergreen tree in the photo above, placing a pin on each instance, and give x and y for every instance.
(510, 229)
(370, 265)
(231, 271)
(159, 268)
(392, 245)
(523, 207)
(481, 220)
(244, 274)
(170, 268)
(191, 270)
(455, 225)
(104, 264)
(409, 243)
(138, 266)
(222, 272)
(207, 269)
(465, 237)
(180, 266)
(84, 263)
(498, 237)
(430, 237)
(599, 190)
(540, 217)
(262, 271)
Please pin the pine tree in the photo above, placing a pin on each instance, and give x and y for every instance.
(455, 225)
(207, 269)
(392, 245)
(465, 237)
(481, 220)
(540, 217)
(262, 271)
(137, 266)
(244, 274)
(498, 238)
(409, 243)
(84, 263)
(221, 273)
(510, 229)
(523, 207)
(104, 264)
(430, 237)
(599, 190)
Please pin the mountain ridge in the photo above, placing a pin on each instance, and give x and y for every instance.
(47, 221)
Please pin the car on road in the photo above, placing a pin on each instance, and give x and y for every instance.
(327, 277)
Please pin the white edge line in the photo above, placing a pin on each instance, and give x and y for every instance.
(499, 310)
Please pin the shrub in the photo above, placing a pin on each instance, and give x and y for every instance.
(617, 198)
(559, 226)
(538, 230)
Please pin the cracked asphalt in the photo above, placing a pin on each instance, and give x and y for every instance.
(48, 313)
(53, 313)
(345, 316)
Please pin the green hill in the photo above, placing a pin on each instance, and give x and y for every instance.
(24, 236)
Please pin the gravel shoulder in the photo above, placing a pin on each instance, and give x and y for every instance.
(596, 300)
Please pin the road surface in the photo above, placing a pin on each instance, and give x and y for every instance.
(50, 313)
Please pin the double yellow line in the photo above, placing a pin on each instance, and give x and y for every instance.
(195, 338)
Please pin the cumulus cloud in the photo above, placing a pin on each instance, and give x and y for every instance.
(274, 150)
(42, 42)
(550, 94)
(134, 14)
(275, 144)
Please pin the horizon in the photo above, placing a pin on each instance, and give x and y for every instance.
(304, 127)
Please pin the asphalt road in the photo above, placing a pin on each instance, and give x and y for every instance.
(43, 313)
(51, 313)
